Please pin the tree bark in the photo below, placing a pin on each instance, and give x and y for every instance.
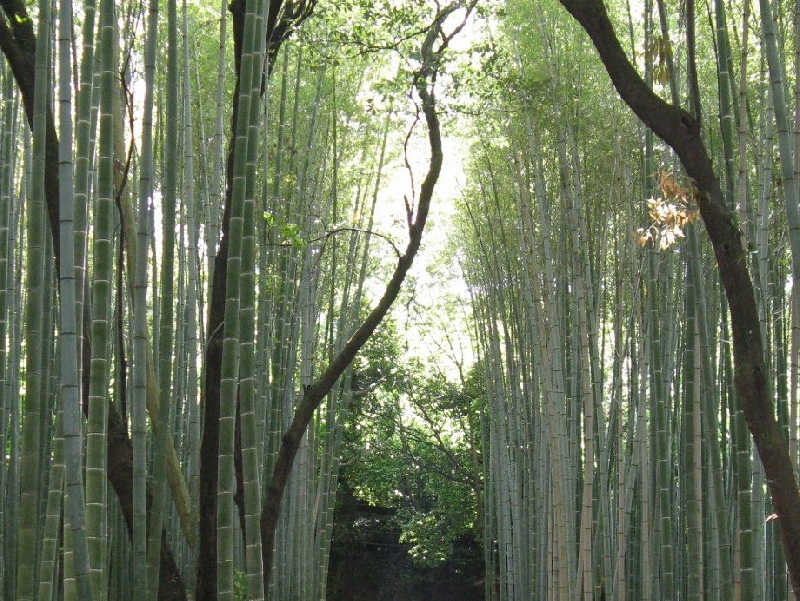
(19, 46)
(682, 133)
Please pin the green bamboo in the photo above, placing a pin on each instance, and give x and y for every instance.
(794, 357)
(75, 508)
(8, 158)
(691, 434)
(167, 305)
(193, 284)
(744, 548)
(139, 573)
(725, 100)
(251, 482)
(13, 384)
(777, 72)
(102, 278)
(48, 572)
(248, 100)
(214, 203)
(778, 92)
(31, 449)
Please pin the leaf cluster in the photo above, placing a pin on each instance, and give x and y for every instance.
(288, 234)
(669, 214)
(405, 450)
(659, 54)
(366, 27)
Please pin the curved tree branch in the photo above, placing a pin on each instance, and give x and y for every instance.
(424, 81)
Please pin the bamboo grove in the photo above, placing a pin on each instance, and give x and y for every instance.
(617, 446)
(194, 248)
(185, 313)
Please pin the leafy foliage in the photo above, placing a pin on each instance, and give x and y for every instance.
(407, 449)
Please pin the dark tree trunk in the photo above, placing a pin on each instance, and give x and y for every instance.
(120, 475)
(282, 17)
(678, 129)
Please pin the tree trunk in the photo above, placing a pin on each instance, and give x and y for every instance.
(277, 29)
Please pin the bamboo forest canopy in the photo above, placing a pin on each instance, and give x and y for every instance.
(355, 300)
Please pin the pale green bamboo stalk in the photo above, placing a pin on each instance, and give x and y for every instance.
(744, 547)
(217, 163)
(505, 427)
(8, 158)
(776, 70)
(474, 282)
(13, 382)
(628, 450)
(794, 357)
(247, 287)
(49, 375)
(139, 573)
(587, 353)
(84, 144)
(791, 195)
(720, 564)
(539, 300)
(764, 568)
(166, 313)
(530, 332)
(193, 268)
(31, 450)
(288, 319)
(102, 278)
(177, 484)
(75, 508)
(328, 464)
(48, 572)
(690, 448)
(777, 364)
(725, 101)
(264, 294)
(551, 358)
(300, 528)
(271, 239)
(530, 291)
(178, 425)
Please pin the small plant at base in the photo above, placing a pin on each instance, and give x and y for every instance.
(239, 585)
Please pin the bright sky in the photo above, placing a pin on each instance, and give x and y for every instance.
(438, 339)
(430, 334)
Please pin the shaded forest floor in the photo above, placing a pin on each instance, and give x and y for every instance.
(369, 563)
